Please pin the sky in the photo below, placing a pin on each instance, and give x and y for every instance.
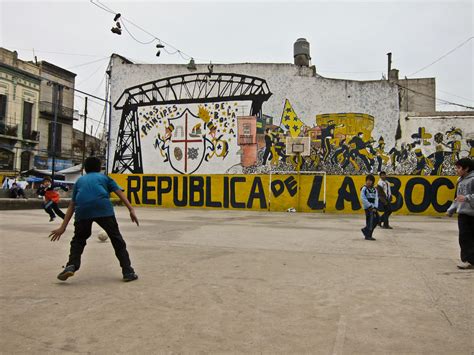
(349, 40)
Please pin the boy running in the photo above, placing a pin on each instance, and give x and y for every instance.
(51, 198)
(90, 201)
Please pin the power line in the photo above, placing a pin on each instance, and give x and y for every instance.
(445, 55)
(433, 97)
(91, 75)
(87, 63)
(461, 97)
(104, 7)
(61, 53)
(131, 35)
(100, 123)
(91, 100)
(100, 84)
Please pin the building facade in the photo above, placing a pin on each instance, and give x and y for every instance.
(58, 82)
(20, 85)
(94, 146)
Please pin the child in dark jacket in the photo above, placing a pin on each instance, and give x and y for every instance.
(51, 198)
(370, 199)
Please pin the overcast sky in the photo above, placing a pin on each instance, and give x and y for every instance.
(348, 39)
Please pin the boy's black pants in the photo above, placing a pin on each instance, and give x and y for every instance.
(371, 221)
(51, 206)
(387, 211)
(466, 237)
(83, 230)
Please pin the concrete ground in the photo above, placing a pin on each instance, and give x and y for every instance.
(238, 282)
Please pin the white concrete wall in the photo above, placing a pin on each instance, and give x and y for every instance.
(308, 94)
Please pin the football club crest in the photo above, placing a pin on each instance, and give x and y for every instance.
(186, 144)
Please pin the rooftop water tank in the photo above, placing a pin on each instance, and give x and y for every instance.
(301, 52)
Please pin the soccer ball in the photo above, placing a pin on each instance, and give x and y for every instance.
(102, 235)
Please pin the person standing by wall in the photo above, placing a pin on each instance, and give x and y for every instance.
(369, 197)
(463, 205)
(385, 197)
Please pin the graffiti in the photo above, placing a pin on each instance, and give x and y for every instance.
(343, 144)
(290, 120)
(217, 123)
(185, 123)
(411, 194)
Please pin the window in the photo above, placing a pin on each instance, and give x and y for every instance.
(6, 159)
(60, 97)
(58, 138)
(27, 119)
(3, 108)
(25, 161)
(246, 129)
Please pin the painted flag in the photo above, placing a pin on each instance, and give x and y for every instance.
(290, 120)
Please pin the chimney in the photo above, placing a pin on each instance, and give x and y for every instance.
(393, 75)
(389, 64)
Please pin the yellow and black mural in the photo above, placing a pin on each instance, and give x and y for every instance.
(189, 124)
(305, 193)
(208, 140)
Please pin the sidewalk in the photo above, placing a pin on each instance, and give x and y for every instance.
(27, 204)
(238, 282)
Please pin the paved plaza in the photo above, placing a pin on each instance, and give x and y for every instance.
(238, 282)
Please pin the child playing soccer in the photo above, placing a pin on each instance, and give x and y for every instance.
(369, 197)
(463, 204)
(51, 198)
(90, 201)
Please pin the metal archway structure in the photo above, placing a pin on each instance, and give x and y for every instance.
(179, 89)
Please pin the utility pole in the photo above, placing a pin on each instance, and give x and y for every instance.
(84, 137)
(56, 91)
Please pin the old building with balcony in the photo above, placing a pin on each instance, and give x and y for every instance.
(94, 146)
(57, 91)
(20, 84)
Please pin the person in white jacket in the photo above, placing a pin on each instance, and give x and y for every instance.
(385, 197)
(463, 205)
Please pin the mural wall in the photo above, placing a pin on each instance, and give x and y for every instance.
(435, 143)
(306, 193)
(185, 122)
(223, 135)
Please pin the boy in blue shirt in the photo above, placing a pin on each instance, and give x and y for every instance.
(370, 198)
(90, 201)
